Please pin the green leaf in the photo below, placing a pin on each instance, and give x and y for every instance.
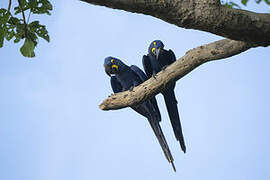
(40, 30)
(244, 2)
(232, 5)
(31, 35)
(267, 2)
(2, 11)
(20, 31)
(25, 7)
(32, 3)
(40, 6)
(28, 47)
(13, 27)
(17, 39)
(35, 6)
(258, 1)
(4, 16)
(10, 34)
(14, 21)
(2, 35)
(18, 36)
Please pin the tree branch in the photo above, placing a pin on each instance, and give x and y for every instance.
(247, 29)
(207, 16)
(192, 59)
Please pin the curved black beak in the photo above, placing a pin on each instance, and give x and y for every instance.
(158, 52)
(107, 70)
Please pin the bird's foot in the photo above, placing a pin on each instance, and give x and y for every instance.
(164, 67)
(154, 76)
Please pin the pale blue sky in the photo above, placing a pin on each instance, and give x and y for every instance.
(52, 129)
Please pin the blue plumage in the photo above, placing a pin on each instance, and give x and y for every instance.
(124, 78)
(157, 59)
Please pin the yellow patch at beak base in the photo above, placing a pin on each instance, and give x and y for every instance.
(153, 49)
(115, 66)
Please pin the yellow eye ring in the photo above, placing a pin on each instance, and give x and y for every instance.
(112, 60)
(154, 43)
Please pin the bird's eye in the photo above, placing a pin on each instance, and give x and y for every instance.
(112, 60)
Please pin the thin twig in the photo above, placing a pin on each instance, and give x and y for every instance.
(29, 16)
(24, 21)
(9, 5)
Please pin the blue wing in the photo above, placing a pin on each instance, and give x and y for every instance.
(153, 100)
(171, 104)
(144, 110)
(172, 56)
(139, 72)
(147, 66)
(116, 85)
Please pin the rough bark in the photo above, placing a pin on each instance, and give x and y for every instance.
(192, 59)
(205, 15)
(246, 29)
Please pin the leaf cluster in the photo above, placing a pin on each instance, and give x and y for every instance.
(12, 27)
(231, 4)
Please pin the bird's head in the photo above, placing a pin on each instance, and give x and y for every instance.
(112, 65)
(155, 48)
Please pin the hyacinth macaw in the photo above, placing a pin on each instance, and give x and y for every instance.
(156, 60)
(124, 77)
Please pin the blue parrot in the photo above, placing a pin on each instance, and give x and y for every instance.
(126, 78)
(156, 60)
